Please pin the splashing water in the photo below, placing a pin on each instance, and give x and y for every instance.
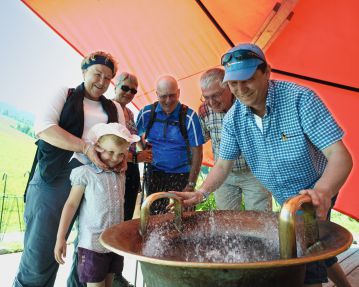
(206, 238)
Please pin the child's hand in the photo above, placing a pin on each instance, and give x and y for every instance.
(60, 251)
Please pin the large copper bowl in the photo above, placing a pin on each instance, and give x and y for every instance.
(179, 258)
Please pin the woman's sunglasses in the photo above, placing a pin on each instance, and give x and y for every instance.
(239, 55)
(128, 89)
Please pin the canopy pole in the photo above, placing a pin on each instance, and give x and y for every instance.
(215, 23)
(319, 81)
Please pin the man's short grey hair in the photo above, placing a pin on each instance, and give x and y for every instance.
(211, 76)
(126, 76)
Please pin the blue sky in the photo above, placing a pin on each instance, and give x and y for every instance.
(35, 60)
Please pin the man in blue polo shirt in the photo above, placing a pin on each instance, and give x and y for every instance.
(288, 137)
(176, 160)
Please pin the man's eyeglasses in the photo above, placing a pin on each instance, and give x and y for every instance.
(214, 97)
(239, 55)
(127, 89)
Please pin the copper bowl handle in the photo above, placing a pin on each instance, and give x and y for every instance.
(287, 233)
(145, 210)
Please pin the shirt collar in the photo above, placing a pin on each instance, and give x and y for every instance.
(233, 101)
(86, 161)
(95, 168)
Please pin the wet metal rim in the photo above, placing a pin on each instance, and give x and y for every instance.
(108, 240)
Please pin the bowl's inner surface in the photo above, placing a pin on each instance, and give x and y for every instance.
(220, 237)
(228, 248)
(214, 238)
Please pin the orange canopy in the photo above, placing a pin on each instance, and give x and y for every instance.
(312, 42)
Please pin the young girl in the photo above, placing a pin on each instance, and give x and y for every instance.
(101, 196)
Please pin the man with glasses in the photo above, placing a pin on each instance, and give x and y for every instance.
(289, 139)
(217, 100)
(174, 132)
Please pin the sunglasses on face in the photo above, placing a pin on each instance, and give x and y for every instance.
(239, 55)
(127, 89)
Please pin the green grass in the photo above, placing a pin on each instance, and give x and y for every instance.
(349, 223)
(16, 155)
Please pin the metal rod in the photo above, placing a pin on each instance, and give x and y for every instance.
(215, 23)
(315, 80)
(136, 272)
(18, 211)
(4, 178)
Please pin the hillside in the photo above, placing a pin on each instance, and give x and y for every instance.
(16, 155)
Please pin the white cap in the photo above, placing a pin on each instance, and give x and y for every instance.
(117, 129)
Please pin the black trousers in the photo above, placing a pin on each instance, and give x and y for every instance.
(158, 181)
(132, 189)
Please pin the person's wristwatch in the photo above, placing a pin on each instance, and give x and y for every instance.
(205, 194)
(191, 184)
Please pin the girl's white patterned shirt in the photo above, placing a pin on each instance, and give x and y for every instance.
(102, 205)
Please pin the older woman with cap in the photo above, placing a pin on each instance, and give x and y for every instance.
(61, 130)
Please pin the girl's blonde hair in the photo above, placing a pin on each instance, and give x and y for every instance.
(116, 139)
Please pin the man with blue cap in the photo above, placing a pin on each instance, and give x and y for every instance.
(288, 137)
(240, 186)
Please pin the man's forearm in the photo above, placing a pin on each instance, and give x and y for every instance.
(337, 170)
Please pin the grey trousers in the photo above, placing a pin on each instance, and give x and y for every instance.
(229, 195)
(44, 203)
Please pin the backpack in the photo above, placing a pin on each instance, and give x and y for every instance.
(182, 126)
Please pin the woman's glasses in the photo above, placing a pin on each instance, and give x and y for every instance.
(127, 89)
(239, 55)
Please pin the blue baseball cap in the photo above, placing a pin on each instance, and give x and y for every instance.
(241, 62)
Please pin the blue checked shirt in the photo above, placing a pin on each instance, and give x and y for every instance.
(287, 156)
(168, 145)
(211, 124)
